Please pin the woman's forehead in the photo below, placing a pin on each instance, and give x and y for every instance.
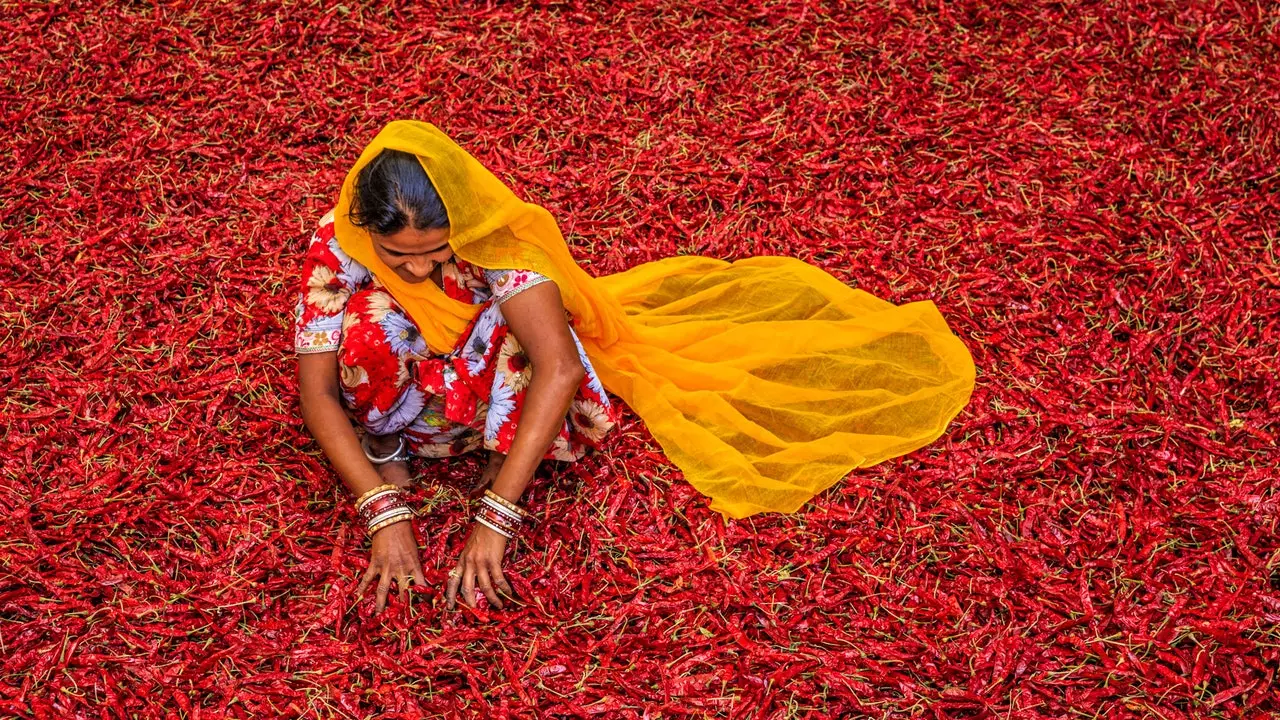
(410, 240)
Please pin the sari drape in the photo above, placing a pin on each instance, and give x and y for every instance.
(765, 380)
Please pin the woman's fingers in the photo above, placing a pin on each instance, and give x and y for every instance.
(469, 586)
(416, 575)
(489, 581)
(406, 573)
(412, 583)
(486, 587)
(399, 574)
(369, 575)
(419, 575)
(500, 581)
(384, 584)
(451, 590)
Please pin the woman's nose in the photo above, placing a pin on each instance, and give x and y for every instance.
(419, 267)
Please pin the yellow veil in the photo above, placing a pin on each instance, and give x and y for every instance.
(764, 380)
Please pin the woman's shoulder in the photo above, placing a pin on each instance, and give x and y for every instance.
(324, 232)
(323, 251)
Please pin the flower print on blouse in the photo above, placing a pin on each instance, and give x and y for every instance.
(331, 277)
(443, 404)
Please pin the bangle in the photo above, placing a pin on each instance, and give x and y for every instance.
(381, 503)
(400, 517)
(376, 495)
(361, 500)
(495, 528)
(379, 495)
(499, 519)
(381, 500)
(502, 510)
(384, 511)
(399, 454)
(387, 515)
(498, 498)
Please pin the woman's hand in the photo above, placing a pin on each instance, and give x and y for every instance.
(479, 566)
(394, 557)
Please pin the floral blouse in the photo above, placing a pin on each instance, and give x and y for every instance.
(332, 277)
(444, 405)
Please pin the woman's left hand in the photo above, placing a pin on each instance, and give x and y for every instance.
(480, 566)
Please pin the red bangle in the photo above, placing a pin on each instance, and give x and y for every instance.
(380, 505)
(498, 519)
(377, 506)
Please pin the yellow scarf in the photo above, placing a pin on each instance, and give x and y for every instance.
(764, 380)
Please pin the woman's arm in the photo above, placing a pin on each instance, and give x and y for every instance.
(536, 317)
(394, 554)
(324, 417)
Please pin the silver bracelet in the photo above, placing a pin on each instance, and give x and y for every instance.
(399, 454)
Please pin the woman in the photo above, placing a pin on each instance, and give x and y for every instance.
(448, 316)
(357, 346)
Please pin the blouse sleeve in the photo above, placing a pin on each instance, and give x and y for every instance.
(329, 277)
(506, 284)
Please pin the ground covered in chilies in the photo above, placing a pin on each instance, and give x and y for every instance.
(1089, 194)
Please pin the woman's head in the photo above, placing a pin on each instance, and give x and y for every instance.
(396, 203)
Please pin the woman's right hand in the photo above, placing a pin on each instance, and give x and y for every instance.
(393, 558)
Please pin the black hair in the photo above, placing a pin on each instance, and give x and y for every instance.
(392, 192)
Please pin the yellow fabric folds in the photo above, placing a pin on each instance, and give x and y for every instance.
(764, 380)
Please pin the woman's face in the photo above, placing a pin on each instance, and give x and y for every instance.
(413, 253)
